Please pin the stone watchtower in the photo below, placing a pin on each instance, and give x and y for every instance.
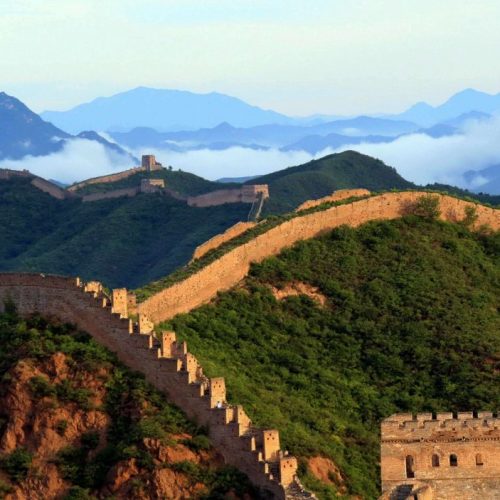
(441, 457)
(150, 164)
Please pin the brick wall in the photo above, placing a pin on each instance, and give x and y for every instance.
(339, 195)
(116, 193)
(233, 266)
(245, 194)
(219, 239)
(166, 363)
(456, 456)
(107, 178)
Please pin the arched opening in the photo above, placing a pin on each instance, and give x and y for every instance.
(435, 460)
(453, 460)
(479, 459)
(410, 467)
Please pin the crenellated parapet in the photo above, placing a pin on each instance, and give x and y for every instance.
(166, 363)
(429, 426)
(443, 455)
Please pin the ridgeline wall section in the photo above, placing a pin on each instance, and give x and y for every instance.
(232, 267)
(167, 364)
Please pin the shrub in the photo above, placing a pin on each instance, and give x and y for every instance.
(426, 206)
(17, 464)
(470, 216)
(41, 387)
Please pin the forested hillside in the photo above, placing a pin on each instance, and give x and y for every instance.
(122, 241)
(292, 186)
(76, 424)
(338, 332)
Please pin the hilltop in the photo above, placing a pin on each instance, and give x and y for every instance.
(292, 186)
(130, 241)
(334, 334)
(75, 423)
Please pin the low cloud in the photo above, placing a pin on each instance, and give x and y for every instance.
(417, 157)
(423, 159)
(232, 162)
(79, 159)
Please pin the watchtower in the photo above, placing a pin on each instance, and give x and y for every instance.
(441, 456)
(150, 164)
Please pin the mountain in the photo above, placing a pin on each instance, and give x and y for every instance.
(23, 133)
(92, 428)
(225, 135)
(466, 101)
(486, 180)
(121, 241)
(315, 143)
(328, 338)
(161, 109)
(292, 186)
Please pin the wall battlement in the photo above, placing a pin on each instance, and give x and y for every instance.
(166, 363)
(449, 456)
(232, 267)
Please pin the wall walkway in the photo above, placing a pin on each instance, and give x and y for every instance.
(233, 266)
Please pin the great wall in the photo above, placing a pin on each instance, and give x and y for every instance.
(440, 457)
(232, 267)
(169, 366)
(254, 194)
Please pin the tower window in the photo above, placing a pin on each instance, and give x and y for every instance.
(435, 460)
(453, 460)
(479, 459)
(410, 467)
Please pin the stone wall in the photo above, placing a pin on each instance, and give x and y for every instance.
(49, 188)
(166, 363)
(105, 179)
(341, 194)
(456, 456)
(116, 193)
(245, 194)
(233, 266)
(219, 239)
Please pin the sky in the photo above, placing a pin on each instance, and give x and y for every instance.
(298, 57)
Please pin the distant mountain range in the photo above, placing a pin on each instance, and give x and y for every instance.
(162, 109)
(23, 133)
(464, 102)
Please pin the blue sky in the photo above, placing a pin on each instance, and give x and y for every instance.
(298, 57)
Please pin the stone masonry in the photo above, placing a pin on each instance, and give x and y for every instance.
(441, 457)
(167, 364)
(232, 267)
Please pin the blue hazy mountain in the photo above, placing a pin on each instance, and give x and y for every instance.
(486, 180)
(23, 133)
(464, 102)
(225, 135)
(162, 109)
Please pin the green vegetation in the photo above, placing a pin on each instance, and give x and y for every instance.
(136, 410)
(184, 183)
(290, 187)
(193, 267)
(133, 241)
(17, 464)
(411, 324)
(122, 242)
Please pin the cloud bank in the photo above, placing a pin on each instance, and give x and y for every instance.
(79, 159)
(417, 157)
